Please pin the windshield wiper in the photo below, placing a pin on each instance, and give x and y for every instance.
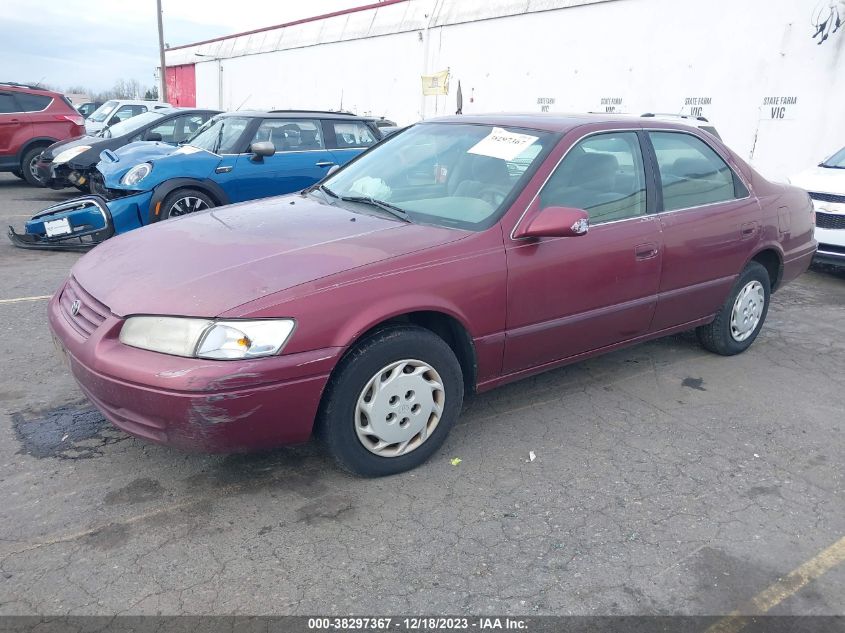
(327, 191)
(392, 209)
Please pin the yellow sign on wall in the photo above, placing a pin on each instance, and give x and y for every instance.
(436, 84)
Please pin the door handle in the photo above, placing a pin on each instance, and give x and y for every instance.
(324, 163)
(645, 251)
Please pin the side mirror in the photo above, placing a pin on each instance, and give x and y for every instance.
(153, 136)
(262, 149)
(332, 170)
(114, 120)
(555, 222)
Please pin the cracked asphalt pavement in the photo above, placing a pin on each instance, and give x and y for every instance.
(667, 480)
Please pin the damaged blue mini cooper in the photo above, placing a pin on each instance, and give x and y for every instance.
(233, 157)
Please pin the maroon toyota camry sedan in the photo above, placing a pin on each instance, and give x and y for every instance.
(460, 254)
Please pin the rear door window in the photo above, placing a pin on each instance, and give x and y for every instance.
(8, 104)
(33, 103)
(692, 174)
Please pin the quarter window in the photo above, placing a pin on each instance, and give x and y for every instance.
(603, 175)
(352, 134)
(691, 173)
(288, 135)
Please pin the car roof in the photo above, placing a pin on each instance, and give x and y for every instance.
(300, 114)
(174, 110)
(139, 102)
(555, 122)
(16, 87)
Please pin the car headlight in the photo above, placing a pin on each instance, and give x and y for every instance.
(204, 338)
(73, 152)
(136, 174)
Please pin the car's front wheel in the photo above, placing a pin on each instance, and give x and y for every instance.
(741, 317)
(185, 201)
(391, 401)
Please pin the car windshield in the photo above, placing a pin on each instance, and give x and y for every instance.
(130, 125)
(837, 161)
(456, 175)
(103, 111)
(220, 135)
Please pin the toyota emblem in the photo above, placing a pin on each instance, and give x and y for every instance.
(74, 307)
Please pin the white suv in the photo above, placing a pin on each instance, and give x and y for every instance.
(826, 185)
(117, 110)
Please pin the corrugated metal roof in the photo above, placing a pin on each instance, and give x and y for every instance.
(373, 21)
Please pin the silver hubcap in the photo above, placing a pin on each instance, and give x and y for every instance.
(188, 204)
(33, 169)
(399, 408)
(748, 308)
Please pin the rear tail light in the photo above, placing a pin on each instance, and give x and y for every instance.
(76, 119)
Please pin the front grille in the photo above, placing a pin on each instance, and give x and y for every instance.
(826, 197)
(89, 316)
(830, 220)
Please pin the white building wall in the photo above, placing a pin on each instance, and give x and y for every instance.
(724, 57)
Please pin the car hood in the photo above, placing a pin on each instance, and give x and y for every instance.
(211, 262)
(821, 180)
(168, 162)
(93, 141)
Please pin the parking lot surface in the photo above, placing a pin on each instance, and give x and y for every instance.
(666, 480)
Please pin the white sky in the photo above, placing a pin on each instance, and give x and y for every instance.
(96, 42)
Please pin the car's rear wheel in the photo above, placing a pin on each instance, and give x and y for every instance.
(740, 319)
(185, 201)
(391, 401)
(29, 169)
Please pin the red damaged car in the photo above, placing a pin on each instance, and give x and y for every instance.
(460, 254)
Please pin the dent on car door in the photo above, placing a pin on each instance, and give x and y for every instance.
(710, 225)
(571, 295)
(298, 162)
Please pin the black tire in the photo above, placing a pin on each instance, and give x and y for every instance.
(167, 206)
(335, 424)
(717, 336)
(27, 161)
(17, 172)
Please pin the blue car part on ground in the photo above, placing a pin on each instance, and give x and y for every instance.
(233, 158)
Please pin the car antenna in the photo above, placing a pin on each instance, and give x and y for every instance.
(243, 103)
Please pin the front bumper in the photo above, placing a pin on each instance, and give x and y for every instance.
(82, 223)
(831, 249)
(77, 224)
(192, 404)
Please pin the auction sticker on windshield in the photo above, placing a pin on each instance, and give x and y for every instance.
(502, 144)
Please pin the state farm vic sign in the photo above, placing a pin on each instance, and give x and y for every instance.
(778, 108)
